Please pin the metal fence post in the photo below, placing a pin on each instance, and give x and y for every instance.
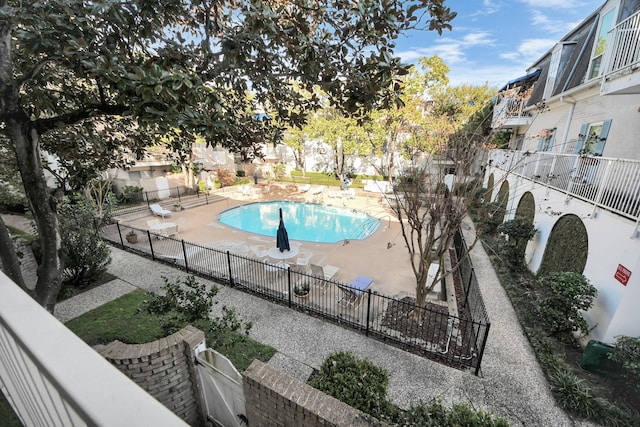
(289, 284)
(153, 256)
(146, 194)
(368, 311)
(184, 254)
(484, 343)
(178, 189)
(230, 271)
(119, 233)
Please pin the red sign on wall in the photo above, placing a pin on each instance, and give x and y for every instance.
(622, 274)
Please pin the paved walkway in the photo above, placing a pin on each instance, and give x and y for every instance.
(511, 383)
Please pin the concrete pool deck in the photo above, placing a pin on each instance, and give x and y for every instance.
(382, 256)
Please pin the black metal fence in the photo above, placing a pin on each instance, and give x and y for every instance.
(429, 331)
(168, 198)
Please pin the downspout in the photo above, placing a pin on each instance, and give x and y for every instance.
(567, 125)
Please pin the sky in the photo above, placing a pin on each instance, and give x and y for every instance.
(496, 41)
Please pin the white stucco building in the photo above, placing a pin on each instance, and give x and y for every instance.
(574, 124)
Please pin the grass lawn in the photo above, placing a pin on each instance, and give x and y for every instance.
(125, 319)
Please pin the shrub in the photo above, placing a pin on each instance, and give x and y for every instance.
(184, 301)
(240, 173)
(491, 215)
(626, 353)
(279, 171)
(225, 177)
(356, 382)
(86, 255)
(520, 231)
(131, 194)
(567, 294)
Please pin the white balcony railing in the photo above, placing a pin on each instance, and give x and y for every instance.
(51, 378)
(612, 184)
(625, 45)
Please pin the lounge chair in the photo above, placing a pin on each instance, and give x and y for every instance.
(324, 274)
(180, 222)
(304, 188)
(159, 210)
(352, 295)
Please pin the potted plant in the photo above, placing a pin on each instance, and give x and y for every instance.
(132, 236)
(177, 206)
(302, 290)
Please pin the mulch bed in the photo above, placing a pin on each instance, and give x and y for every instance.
(429, 328)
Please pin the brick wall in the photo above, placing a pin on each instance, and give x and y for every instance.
(274, 398)
(165, 369)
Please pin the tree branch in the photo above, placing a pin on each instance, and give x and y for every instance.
(92, 110)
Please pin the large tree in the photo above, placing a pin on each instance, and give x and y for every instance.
(153, 66)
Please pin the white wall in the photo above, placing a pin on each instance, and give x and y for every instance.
(615, 310)
(590, 107)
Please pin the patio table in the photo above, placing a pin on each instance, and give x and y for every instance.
(276, 254)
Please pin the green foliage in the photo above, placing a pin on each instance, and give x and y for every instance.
(551, 352)
(126, 319)
(567, 294)
(520, 231)
(626, 353)
(362, 385)
(240, 174)
(227, 331)
(567, 247)
(184, 301)
(7, 415)
(302, 289)
(131, 194)
(225, 177)
(491, 215)
(279, 170)
(357, 382)
(86, 255)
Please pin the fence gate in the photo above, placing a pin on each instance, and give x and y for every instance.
(221, 385)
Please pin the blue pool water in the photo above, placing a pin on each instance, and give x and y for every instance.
(304, 221)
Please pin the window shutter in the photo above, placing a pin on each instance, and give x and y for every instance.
(552, 140)
(606, 125)
(540, 144)
(582, 137)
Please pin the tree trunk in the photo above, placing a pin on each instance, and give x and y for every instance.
(9, 257)
(24, 138)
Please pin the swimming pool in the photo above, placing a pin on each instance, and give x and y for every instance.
(311, 222)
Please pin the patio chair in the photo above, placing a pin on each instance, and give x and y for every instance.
(304, 188)
(303, 259)
(159, 210)
(324, 274)
(259, 252)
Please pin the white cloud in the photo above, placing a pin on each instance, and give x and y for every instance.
(529, 50)
(553, 4)
(451, 50)
(550, 25)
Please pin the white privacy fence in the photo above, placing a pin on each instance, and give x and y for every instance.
(52, 378)
(613, 184)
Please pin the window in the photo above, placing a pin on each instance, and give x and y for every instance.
(593, 137)
(607, 21)
(547, 137)
(554, 65)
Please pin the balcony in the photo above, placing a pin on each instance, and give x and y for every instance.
(607, 183)
(51, 378)
(510, 112)
(622, 60)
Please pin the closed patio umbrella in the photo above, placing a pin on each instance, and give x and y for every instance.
(282, 238)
